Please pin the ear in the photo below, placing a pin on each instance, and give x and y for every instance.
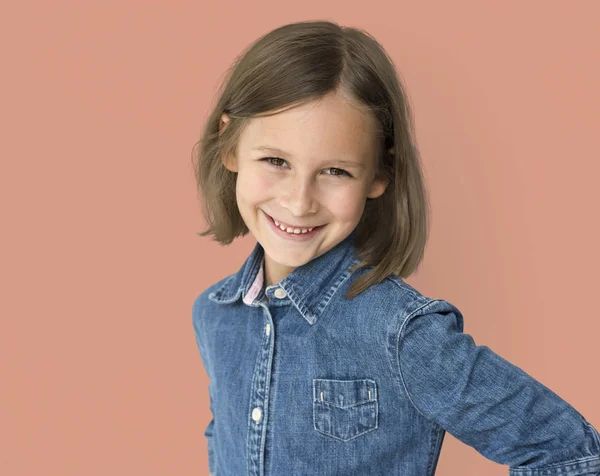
(377, 188)
(229, 161)
(223, 121)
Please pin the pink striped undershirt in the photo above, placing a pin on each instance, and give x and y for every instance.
(256, 285)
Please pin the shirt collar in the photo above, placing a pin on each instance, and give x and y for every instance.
(309, 287)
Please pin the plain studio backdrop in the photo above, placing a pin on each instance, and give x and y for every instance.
(100, 261)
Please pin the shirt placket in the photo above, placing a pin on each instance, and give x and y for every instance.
(259, 393)
(259, 404)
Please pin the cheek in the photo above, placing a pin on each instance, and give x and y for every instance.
(266, 182)
(345, 202)
(254, 188)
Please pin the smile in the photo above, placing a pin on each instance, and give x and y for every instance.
(292, 228)
(292, 232)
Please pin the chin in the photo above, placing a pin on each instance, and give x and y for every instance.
(284, 259)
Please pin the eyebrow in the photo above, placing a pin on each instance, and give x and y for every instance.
(275, 150)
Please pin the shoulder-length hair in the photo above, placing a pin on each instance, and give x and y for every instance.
(301, 62)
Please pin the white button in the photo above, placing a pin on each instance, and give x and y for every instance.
(280, 293)
(256, 414)
(268, 329)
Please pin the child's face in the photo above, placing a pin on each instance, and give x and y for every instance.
(305, 188)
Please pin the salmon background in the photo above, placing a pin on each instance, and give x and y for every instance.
(102, 103)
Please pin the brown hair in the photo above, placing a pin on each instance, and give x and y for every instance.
(302, 62)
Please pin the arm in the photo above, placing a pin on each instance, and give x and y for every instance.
(488, 403)
(208, 432)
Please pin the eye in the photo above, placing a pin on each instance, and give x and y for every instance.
(340, 173)
(268, 159)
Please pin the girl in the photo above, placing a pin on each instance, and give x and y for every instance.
(322, 360)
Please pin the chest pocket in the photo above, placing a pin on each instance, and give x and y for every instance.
(344, 409)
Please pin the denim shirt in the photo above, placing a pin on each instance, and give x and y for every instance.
(306, 382)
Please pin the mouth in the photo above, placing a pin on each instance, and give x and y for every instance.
(300, 235)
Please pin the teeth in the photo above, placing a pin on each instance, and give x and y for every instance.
(295, 231)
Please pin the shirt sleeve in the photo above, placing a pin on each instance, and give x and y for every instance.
(208, 432)
(488, 403)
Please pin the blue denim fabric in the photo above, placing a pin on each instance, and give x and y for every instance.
(307, 382)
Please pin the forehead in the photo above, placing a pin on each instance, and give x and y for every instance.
(330, 127)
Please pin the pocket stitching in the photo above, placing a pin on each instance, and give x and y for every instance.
(373, 402)
(363, 380)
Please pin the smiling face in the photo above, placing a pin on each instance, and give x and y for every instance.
(318, 172)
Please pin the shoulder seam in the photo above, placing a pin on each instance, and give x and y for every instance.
(396, 361)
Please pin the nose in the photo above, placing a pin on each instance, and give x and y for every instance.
(298, 197)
